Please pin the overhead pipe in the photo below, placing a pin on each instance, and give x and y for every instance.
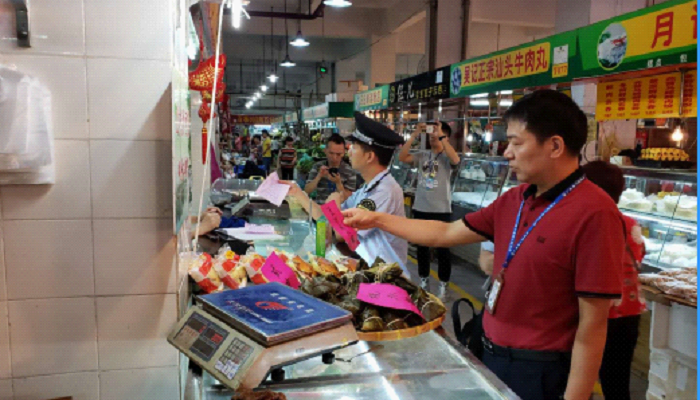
(318, 13)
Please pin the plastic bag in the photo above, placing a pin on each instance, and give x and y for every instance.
(201, 270)
(226, 266)
(26, 134)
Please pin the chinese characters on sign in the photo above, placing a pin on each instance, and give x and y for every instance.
(515, 64)
(252, 119)
(690, 94)
(372, 99)
(335, 217)
(651, 97)
(386, 295)
(424, 87)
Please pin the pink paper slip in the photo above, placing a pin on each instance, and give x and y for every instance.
(260, 229)
(272, 190)
(275, 270)
(332, 212)
(387, 295)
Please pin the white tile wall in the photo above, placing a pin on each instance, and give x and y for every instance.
(48, 259)
(149, 33)
(5, 368)
(57, 28)
(65, 78)
(132, 331)
(144, 116)
(82, 386)
(6, 389)
(52, 336)
(131, 179)
(151, 384)
(69, 198)
(134, 256)
(107, 64)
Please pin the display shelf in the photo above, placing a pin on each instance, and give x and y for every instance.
(666, 230)
(485, 180)
(678, 224)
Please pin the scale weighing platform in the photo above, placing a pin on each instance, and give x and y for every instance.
(240, 336)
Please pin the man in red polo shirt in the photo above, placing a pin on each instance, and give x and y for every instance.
(559, 248)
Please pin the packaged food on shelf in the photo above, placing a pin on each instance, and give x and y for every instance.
(343, 292)
(664, 154)
(253, 262)
(323, 267)
(232, 275)
(201, 270)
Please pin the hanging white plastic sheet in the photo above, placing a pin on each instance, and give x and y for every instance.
(26, 130)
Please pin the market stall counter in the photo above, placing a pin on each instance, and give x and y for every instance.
(430, 365)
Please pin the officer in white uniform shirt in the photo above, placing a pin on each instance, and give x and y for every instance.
(373, 146)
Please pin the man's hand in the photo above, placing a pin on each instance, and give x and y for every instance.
(420, 128)
(209, 222)
(323, 172)
(215, 210)
(294, 190)
(335, 178)
(360, 219)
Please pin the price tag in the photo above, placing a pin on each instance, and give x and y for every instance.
(335, 217)
(272, 190)
(275, 270)
(387, 295)
(260, 229)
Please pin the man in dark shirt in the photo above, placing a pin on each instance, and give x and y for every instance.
(561, 240)
(333, 174)
(288, 159)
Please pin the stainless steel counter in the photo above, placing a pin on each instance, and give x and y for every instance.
(430, 366)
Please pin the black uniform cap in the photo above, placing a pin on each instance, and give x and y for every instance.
(374, 133)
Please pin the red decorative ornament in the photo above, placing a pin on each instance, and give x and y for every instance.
(205, 112)
(205, 143)
(202, 78)
(220, 94)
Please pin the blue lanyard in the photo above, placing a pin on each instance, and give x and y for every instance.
(512, 247)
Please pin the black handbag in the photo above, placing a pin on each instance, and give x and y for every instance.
(470, 333)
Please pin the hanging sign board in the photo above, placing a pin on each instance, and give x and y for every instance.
(662, 35)
(319, 111)
(650, 97)
(375, 99)
(539, 63)
(433, 85)
(252, 119)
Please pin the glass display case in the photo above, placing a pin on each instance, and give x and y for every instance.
(480, 181)
(406, 175)
(427, 366)
(664, 203)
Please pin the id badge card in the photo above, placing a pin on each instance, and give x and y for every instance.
(431, 183)
(494, 294)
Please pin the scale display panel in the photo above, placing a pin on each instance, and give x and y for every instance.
(201, 336)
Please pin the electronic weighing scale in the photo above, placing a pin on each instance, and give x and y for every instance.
(240, 336)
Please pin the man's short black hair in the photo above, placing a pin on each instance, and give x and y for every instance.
(606, 176)
(446, 128)
(288, 139)
(548, 113)
(383, 154)
(335, 138)
(266, 132)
